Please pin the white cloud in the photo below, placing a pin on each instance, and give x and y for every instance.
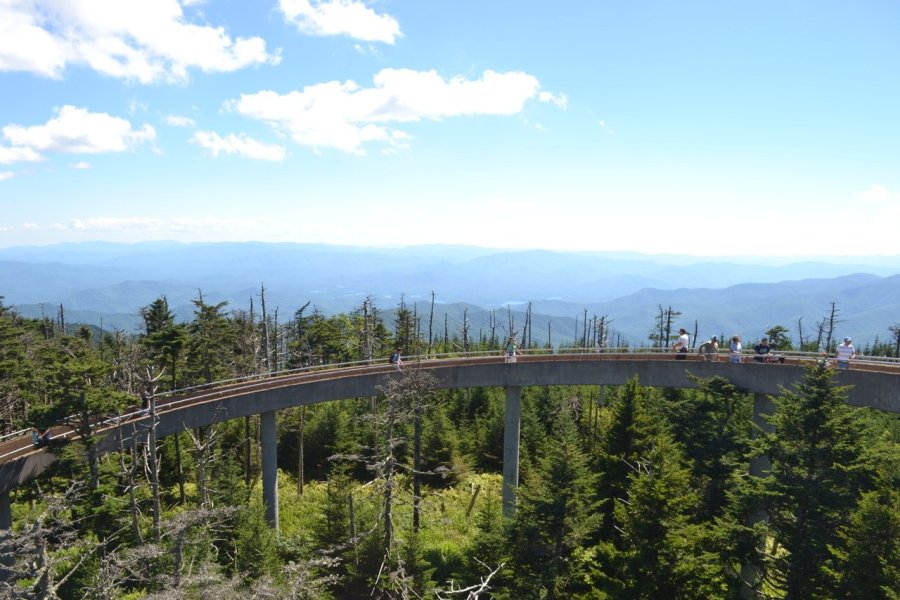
(346, 116)
(340, 17)
(4, 175)
(10, 155)
(78, 131)
(241, 145)
(876, 193)
(212, 224)
(141, 40)
(115, 223)
(560, 100)
(605, 126)
(178, 121)
(81, 165)
(136, 106)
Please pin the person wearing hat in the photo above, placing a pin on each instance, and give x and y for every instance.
(844, 353)
(709, 349)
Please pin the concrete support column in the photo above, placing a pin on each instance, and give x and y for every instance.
(268, 441)
(762, 407)
(759, 467)
(512, 416)
(5, 511)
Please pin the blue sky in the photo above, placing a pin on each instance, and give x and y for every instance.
(705, 128)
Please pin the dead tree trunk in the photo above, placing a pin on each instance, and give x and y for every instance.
(128, 474)
(465, 330)
(430, 326)
(300, 454)
(179, 468)
(152, 457)
(265, 329)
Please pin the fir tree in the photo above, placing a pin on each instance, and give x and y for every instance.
(662, 552)
(712, 425)
(554, 519)
(867, 557)
(628, 435)
(817, 474)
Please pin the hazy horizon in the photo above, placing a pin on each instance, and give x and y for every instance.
(679, 257)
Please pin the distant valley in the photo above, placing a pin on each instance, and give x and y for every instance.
(110, 283)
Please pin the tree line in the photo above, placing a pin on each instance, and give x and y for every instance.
(626, 491)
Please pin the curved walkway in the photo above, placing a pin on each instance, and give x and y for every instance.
(873, 384)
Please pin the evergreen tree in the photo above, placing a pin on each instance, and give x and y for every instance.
(712, 425)
(867, 557)
(80, 395)
(15, 374)
(554, 519)
(818, 472)
(662, 553)
(488, 547)
(627, 437)
(441, 464)
(210, 344)
(255, 549)
(156, 316)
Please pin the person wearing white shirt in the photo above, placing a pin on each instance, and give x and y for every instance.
(734, 350)
(681, 345)
(844, 353)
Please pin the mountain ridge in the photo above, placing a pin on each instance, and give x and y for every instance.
(723, 296)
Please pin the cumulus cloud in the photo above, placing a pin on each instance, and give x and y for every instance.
(78, 131)
(340, 17)
(347, 117)
(4, 175)
(9, 155)
(178, 121)
(142, 40)
(81, 165)
(239, 145)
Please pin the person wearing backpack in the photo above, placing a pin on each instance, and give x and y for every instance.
(397, 359)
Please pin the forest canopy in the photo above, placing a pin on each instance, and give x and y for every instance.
(625, 491)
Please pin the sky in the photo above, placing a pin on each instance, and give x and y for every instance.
(767, 128)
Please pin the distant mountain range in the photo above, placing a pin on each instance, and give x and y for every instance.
(95, 281)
